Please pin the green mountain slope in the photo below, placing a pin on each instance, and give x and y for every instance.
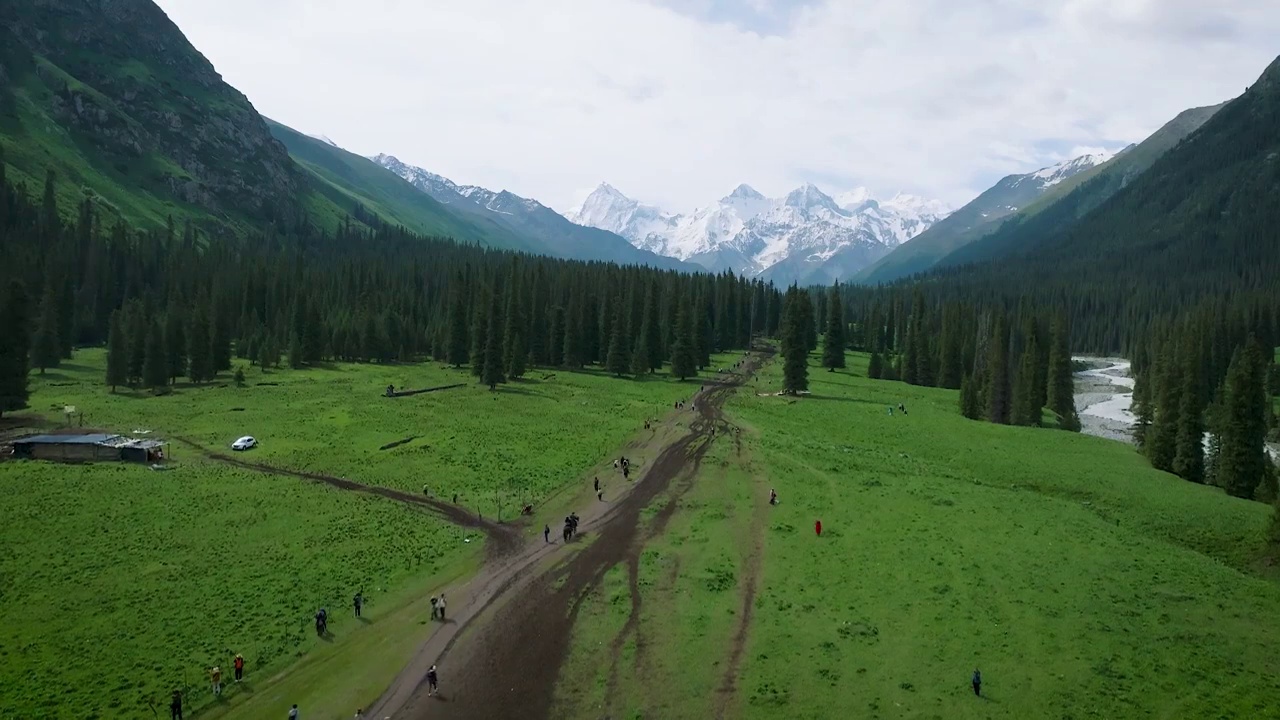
(112, 97)
(977, 218)
(1200, 221)
(1044, 222)
(1058, 208)
(983, 227)
(345, 180)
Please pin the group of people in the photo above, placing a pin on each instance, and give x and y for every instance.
(437, 607)
(570, 526)
(901, 408)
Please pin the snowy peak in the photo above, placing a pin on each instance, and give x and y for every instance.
(324, 139)
(808, 197)
(788, 237)
(1055, 174)
(743, 192)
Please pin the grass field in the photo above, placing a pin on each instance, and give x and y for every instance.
(119, 583)
(1081, 582)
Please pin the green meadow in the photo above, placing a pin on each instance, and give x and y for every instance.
(1079, 580)
(119, 583)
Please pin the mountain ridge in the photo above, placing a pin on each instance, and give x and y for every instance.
(785, 239)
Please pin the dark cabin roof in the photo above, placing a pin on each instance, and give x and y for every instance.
(93, 439)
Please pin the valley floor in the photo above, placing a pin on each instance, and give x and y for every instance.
(1081, 582)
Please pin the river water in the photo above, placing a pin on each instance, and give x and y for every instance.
(1104, 398)
(1104, 401)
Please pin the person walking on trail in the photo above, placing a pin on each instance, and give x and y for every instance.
(773, 496)
(435, 606)
(977, 683)
(293, 712)
(359, 714)
(433, 682)
(597, 484)
(817, 527)
(175, 706)
(358, 602)
(546, 533)
(238, 665)
(440, 606)
(600, 495)
(215, 680)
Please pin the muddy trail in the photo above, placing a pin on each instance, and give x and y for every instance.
(502, 539)
(507, 665)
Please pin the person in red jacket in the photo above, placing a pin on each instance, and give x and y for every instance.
(817, 527)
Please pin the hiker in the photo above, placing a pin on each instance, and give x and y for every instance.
(615, 464)
(977, 683)
(358, 602)
(320, 622)
(440, 606)
(546, 533)
(175, 706)
(359, 714)
(626, 473)
(293, 712)
(773, 496)
(600, 495)
(215, 680)
(567, 529)
(426, 491)
(435, 606)
(890, 411)
(597, 484)
(900, 408)
(238, 665)
(573, 523)
(391, 390)
(433, 681)
(817, 527)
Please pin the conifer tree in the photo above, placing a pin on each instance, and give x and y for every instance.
(834, 342)
(640, 354)
(515, 351)
(46, 347)
(998, 405)
(493, 350)
(649, 330)
(175, 344)
(219, 342)
(264, 354)
(14, 339)
(617, 360)
(1060, 388)
(970, 397)
(117, 353)
(295, 356)
(1162, 440)
(875, 366)
(573, 355)
(950, 360)
(136, 330)
(683, 363)
(555, 335)
(809, 325)
(479, 332)
(795, 342)
(155, 366)
(456, 355)
(199, 356)
(702, 331)
(1026, 411)
(1242, 463)
(1188, 459)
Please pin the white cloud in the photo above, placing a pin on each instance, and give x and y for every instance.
(934, 97)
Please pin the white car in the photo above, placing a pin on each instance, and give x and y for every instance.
(244, 443)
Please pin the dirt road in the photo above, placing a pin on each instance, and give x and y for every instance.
(518, 613)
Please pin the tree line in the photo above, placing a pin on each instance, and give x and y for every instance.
(1202, 397)
(170, 304)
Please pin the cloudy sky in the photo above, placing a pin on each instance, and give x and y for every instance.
(676, 102)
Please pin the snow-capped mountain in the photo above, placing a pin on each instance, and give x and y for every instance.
(529, 218)
(785, 239)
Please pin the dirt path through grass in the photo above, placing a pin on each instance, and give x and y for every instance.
(507, 664)
(728, 691)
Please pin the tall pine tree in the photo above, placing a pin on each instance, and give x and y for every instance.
(491, 373)
(117, 353)
(1060, 390)
(683, 363)
(14, 340)
(155, 365)
(834, 341)
(1242, 463)
(46, 345)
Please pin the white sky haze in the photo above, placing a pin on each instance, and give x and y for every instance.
(676, 103)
